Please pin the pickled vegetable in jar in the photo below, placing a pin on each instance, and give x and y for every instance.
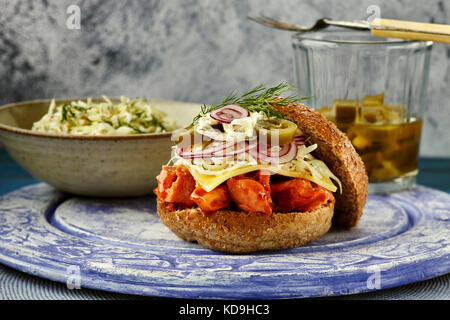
(387, 142)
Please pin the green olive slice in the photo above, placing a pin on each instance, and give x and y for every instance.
(276, 128)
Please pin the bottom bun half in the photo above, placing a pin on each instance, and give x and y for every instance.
(244, 232)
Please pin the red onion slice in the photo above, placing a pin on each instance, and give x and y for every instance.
(219, 147)
(299, 140)
(237, 149)
(208, 152)
(228, 113)
(287, 153)
(259, 151)
(192, 155)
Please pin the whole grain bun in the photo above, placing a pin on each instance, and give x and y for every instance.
(336, 150)
(242, 232)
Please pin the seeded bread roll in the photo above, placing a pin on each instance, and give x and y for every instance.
(336, 150)
(243, 232)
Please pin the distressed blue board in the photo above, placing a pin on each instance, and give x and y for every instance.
(121, 246)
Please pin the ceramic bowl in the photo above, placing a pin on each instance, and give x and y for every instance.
(98, 166)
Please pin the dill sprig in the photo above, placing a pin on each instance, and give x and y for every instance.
(156, 122)
(258, 99)
(66, 112)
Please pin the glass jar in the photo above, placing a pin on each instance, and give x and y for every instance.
(374, 90)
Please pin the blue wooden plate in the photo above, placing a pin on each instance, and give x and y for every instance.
(121, 246)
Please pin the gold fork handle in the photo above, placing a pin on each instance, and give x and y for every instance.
(410, 30)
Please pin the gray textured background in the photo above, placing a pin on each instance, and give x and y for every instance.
(184, 49)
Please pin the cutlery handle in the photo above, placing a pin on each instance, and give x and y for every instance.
(410, 30)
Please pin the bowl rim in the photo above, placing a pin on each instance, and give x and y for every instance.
(11, 129)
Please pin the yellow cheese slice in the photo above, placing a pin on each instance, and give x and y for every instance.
(209, 182)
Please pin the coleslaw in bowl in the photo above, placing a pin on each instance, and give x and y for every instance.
(101, 165)
(125, 116)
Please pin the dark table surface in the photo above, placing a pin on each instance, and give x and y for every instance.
(433, 172)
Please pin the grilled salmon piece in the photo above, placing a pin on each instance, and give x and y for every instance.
(166, 177)
(175, 185)
(263, 177)
(299, 195)
(249, 194)
(214, 200)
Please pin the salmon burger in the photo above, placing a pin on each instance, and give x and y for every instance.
(260, 172)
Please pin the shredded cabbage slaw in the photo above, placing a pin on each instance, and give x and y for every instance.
(304, 165)
(128, 116)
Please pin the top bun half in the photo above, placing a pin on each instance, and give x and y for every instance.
(336, 150)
